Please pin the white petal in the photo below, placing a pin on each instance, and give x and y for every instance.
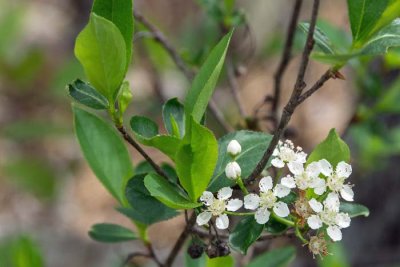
(278, 163)
(296, 167)
(266, 184)
(281, 209)
(313, 169)
(222, 221)
(207, 198)
(276, 152)
(251, 201)
(343, 220)
(347, 193)
(314, 222)
(232, 170)
(301, 157)
(320, 190)
(234, 204)
(332, 202)
(326, 167)
(343, 169)
(225, 193)
(334, 233)
(281, 191)
(234, 148)
(203, 218)
(288, 181)
(319, 186)
(262, 215)
(315, 205)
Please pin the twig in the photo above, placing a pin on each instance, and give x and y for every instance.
(234, 86)
(133, 255)
(325, 77)
(153, 255)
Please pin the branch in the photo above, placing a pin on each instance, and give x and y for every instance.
(324, 78)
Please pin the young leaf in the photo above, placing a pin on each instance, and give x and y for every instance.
(174, 117)
(354, 209)
(246, 232)
(167, 193)
(146, 132)
(87, 95)
(110, 233)
(204, 83)
(125, 97)
(321, 40)
(104, 150)
(196, 159)
(120, 13)
(333, 149)
(100, 48)
(280, 257)
(226, 261)
(253, 147)
(145, 208)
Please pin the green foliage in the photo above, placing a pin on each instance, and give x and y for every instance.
(20, 251)
(226, 261)
(173, 114)
(167, 193)
(383, 40)
(105, 152)
(120, 13)
(87, 95)
(146, 132)
(111, 233)
(101, 50)
(389, 101)
(245, 233)
(204, 83)
(274, 258)
(354, 209)
(253, 147)
(336, 258)
(321, 40)
(144, 208)
(125, 97)
(275, 227)
(196, 158)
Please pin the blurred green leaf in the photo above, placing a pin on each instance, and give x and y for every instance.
(111, 233)
(199, 262)
(32, 129)
(20, 251)
(389, 102)
(321, 40)
(354, 209)
(275, 227)
(87, 95)
(274, 258)
(336, 258)
(226, 261)
(245, 233)
(105, 152)
(100, 48)
(174, 117)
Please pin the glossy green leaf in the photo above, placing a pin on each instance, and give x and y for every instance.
(125, 97)
(321, 40)
(245, 233)
(145, 208)
(354, 209)
(226, 261)
(146, 132)
(391, 12)
(280, 257)
(174, 117)
(253, 148)
(100, 48)
(205, 81)
(87, 95)
(110, 233)
(333, 149)
(196, 159)
(167, 193)
(104, 150)
(119, 12)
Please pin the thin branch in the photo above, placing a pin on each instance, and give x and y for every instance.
(234, 86)
(324, 78)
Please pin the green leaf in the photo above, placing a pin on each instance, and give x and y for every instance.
(146, 132)
(354, 209)
(199, 262)
(336, 257)
(105, 152)
(196, 159)
(280, 257)
(167, 193)
(145, 208)
(110, 233)
(20, 251)
(383, 40)
(389, 102)
(204, 83)
(275, 227)
(87, 95)
(226, 261)
(125, 97)
(174, 117)
(333, 149)
(119, 12)
(321, 40)
(253, 148)
(391, 12)
(245, 233)
(100, 48)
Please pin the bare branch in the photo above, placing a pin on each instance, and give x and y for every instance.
(324, 78)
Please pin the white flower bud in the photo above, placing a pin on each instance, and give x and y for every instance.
(233, 170)
(234, 148)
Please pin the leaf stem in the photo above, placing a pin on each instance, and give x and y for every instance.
(282, 220)
(299, 235)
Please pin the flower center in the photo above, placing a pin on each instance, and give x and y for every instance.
(267, 199)
(335, 183)
(303, 181)
(287, 154)
(217, 207)
(328, 216)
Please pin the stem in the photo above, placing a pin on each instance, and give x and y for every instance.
(239, 182)
(282, 220)
(299, 235)
(239, 213)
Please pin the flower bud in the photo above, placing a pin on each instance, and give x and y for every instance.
(234, 148)
(232, 170)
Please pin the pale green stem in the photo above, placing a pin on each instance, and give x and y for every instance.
(239, 182)
(282, 220)
(239, 213)
(299, 235)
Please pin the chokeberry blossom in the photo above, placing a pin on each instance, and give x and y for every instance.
(285, 153)
(328, 214)
(267, 200)
(234, 148)
(217, 207)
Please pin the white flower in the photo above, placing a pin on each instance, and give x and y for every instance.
(305, 178)
(232, 170)
(285, 153)
(328, 214)
(234, 148)
(268, 199)
(335, 180)
(217, 207)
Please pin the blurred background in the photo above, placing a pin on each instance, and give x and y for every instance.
(49, 197)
